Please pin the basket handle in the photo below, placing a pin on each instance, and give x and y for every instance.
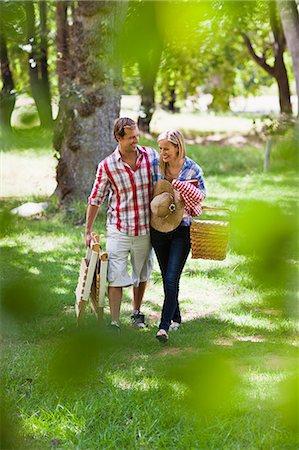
(214, 209)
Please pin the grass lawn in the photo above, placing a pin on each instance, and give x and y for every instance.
(228, 379)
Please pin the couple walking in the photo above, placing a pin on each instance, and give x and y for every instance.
(150, 200)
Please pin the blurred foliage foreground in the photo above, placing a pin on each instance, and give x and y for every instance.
(227, 379)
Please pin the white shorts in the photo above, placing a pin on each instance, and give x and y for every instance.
(119, 246)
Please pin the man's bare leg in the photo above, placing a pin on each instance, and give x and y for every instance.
(138, 293)
(115, 297)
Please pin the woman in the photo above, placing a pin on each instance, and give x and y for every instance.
(170, 223)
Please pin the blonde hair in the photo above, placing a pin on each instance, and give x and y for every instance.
(176, 138)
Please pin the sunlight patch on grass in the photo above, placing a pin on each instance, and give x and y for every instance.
(27, 174)
(229, 341)
(39, 243)
(43, 244)
(34, 270)
(133, 382)
(206, 294)
(261, 383)
(60, 423)
(119, 380)
(8, 243)
(230, 262)
(163, 120)
(258, 186)
(59, 290)
(248, 321)
(198, 122)
(250, 338)
(280, 362)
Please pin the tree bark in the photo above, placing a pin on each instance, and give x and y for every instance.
(168, 101)
(8, 95)
(37, 59)
(90, 98)
(281, 76)
(290, 22)
(62, 40)
(44, 78)
(280, 71)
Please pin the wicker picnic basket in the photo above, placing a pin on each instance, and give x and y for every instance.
(209, 238)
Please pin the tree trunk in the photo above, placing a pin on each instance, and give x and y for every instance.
(171, 104)
(280, 71)
(39, 86)
(147, 106)
(169, 100)
(290, 22)
(44, 79)
(62, 40)
(281, 76)
(8, 95)
(90, 99)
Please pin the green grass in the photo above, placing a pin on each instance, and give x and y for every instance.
(226, 380)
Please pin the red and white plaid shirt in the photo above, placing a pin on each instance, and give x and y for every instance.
(128, 191)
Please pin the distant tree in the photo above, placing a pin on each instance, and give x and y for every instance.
(274, 49)
(37, 61)
(8, 94)
(203, 58)
(290, 21)
(10, 21)
(62, 40)
(89, 71)
(209, 55)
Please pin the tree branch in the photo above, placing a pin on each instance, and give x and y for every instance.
(261, 61)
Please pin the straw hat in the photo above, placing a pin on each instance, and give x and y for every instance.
(166, 206)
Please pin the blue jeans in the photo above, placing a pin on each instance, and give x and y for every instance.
(172, 250)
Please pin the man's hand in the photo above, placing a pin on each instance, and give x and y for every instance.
(91, 215)
(88, 238)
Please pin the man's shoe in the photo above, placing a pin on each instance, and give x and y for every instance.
(162, 335)
(138, 320)
(114, 326)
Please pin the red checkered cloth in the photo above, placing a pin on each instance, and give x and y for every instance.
(191, 195)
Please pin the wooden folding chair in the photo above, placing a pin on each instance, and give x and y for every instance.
(98, 287)
(92, 280)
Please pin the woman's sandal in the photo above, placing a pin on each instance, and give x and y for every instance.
(162, 336)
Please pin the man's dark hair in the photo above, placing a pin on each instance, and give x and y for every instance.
(120, 125)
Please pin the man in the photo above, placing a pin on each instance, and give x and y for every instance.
(125, 179)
